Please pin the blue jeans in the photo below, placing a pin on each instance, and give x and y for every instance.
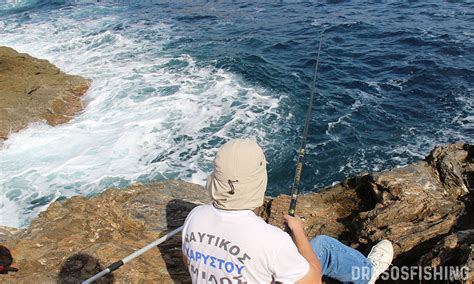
(341, 262)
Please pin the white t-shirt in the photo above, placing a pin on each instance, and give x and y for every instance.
(238, 247)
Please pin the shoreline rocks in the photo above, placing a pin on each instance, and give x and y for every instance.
(424, 208)
(90, 234)
(34, 90)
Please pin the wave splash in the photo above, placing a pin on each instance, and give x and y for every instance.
(149, 115)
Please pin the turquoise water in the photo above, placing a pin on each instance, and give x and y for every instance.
(174, 80)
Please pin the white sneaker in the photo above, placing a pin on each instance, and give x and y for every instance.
(380, 256)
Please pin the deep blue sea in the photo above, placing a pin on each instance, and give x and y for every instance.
(174, 80)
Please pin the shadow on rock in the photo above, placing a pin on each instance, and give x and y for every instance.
(80, 267)
(176, 212)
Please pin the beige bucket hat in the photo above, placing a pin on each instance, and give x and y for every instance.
(239, 179)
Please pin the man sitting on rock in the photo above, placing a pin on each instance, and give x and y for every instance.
(225, 242)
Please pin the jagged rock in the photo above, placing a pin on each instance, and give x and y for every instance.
(79, 237)
(7, 233)
(418, 207)
(407, 206)
(33, 90)
(327, 212)
(414, 206)
(455, 250)
(450, 162)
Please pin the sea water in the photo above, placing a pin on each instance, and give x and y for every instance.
(174, 80)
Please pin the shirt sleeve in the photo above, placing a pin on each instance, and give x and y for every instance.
(289, 265)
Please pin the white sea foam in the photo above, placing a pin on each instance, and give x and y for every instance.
(375, 85)
(11, 4)
(397, 83)
(465, 116)
(143, 104)
(342, 120)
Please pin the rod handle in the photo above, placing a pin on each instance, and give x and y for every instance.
(114, 266)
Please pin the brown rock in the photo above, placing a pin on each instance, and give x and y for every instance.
(427, 217)
(414, 206)
(33, 90)
(79, 237)
(455, 251)
(450, 162)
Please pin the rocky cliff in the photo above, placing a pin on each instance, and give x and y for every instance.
(424, 208)
(33, 90)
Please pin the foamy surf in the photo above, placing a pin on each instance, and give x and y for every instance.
(174, 80)
(148, 116)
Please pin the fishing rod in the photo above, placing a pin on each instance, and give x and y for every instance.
(116, 265)
(299, 164)
(294, 188)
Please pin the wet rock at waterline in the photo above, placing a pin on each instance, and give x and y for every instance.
(34, 90)
(424, 208)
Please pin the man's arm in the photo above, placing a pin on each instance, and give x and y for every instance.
(314, 274)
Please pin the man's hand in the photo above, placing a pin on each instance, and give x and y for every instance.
(294, 223)
(296, 226)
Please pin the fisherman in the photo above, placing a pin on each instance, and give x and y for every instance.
(225, 242)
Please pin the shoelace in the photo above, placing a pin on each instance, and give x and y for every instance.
(377, 258)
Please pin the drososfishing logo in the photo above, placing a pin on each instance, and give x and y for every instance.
(412, 273)
(208, 263)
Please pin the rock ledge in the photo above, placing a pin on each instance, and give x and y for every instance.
(424, 208)
(34, 90)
